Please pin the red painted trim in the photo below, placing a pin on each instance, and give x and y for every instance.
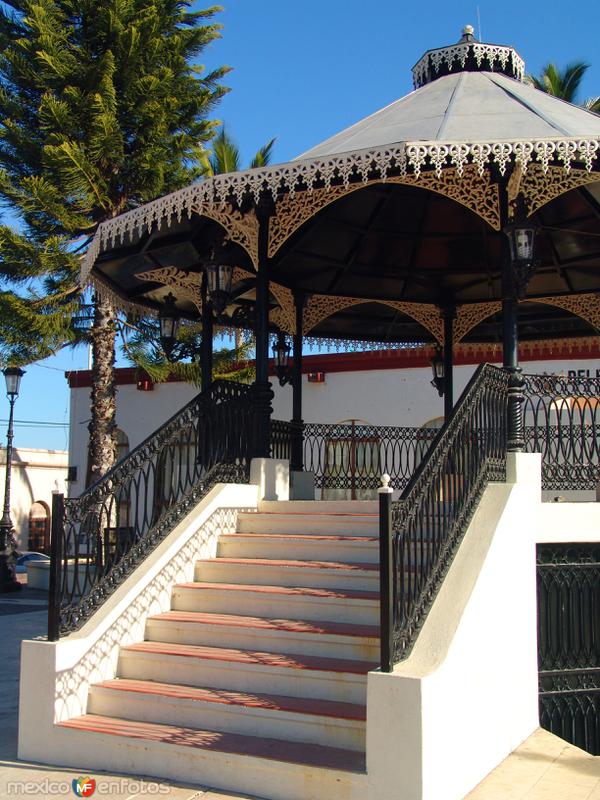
(390, 359)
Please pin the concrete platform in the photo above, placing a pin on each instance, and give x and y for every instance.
(544, 767)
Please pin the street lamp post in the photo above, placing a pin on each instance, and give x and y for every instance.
(8, 582)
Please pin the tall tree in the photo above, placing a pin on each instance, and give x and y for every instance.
(225, 155)
(563, 84)
(101, 109)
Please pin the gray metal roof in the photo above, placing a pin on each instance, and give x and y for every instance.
(467, 107)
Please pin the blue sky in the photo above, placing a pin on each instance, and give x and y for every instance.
(303, 71)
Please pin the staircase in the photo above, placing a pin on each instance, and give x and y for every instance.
(255, 680)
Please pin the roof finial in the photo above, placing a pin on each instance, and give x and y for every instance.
(468, 34)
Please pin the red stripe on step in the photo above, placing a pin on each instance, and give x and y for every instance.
(286, 660)
(341, 594)
(232, 743)
(353, 516)
(271, 702)
(271, 562)
(288, 625)
(299, 537)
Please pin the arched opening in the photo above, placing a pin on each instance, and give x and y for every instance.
(39, 528)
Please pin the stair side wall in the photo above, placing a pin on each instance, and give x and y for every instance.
(466, 697)
(55, 676)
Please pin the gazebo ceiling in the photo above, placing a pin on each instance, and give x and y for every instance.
(404, 208)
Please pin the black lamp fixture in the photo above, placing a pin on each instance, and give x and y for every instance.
(281, 357)
(169, 321)
(521, 239)
(437, 367)
(218, 280)
(8, 582)
(12, 376)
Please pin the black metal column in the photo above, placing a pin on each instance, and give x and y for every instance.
(510, 347)
(386, 581)
(7, 539)
(206, 352)
(297, 459)
(56, 546)
(262, 392)
(449, 314)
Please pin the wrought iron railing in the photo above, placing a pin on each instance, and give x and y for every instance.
(421, 532)
(282, 434)
(568, 591)
(106, 532)
(351, 457)
(562, 422)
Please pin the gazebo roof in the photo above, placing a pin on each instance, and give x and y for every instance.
(464, 107)
(395, 216)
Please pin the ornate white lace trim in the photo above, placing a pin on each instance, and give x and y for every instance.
(455, 57)
(363, 165)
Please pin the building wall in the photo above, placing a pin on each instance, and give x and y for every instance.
(35, 475)
(401, 396)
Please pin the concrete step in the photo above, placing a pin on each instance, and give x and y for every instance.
(273, 769)
(340, 680)
(280, 572)
(338, 605)
(342, 524)
(327, 639)
(319, 506)
(290, 718)
(317, 547)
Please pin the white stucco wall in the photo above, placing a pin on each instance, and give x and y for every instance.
(569, 522)
(466, 696)
(402, 397)
(35, 475)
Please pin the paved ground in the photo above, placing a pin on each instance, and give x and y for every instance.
(543, 768)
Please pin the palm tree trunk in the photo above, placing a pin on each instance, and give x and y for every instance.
(102, 425)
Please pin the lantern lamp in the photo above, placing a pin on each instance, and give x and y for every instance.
(12, 376)
(281, 357)
(169, 324)
(218, 280)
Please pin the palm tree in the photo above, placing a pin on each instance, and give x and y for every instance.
(593, 104)
(225, 156)
(564, 84)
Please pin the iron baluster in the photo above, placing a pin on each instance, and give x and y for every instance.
(121, 518)
(432, 515)
(386, 576)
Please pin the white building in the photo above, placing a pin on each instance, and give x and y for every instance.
(35, 475)
(337, 388)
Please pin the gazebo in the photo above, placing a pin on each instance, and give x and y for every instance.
(468, 210)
